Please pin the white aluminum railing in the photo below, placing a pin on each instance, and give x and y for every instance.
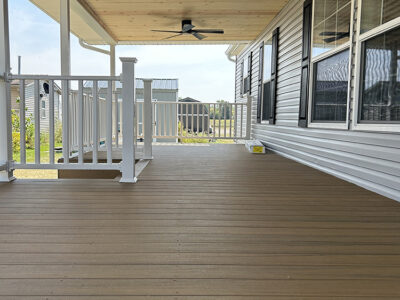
(90, 122)
(197, 120)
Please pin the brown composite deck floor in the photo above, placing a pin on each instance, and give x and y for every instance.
(212, 222)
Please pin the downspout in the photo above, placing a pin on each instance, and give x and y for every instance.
(90, 47)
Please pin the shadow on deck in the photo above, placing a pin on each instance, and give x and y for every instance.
(206, 221)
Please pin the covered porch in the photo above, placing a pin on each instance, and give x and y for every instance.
(204, 222)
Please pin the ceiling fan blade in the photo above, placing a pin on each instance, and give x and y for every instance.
(326, 33)
(170, 37)
(331, 39)
(187, 27)
(173, 31)
(217, 31)
(199, 36)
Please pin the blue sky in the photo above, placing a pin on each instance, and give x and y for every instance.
(204, 72)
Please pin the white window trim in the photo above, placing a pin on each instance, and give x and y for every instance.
(43, 109)
(267, 38)
(314, 60)
(356, 124)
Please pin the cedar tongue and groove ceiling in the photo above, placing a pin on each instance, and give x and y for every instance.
(131, 21)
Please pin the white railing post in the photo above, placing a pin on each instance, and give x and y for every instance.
(248, 118)
(128, 119)
(147, 120)
(6, 173)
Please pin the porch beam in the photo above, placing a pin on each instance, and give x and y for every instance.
(84, 11)
(6, 173)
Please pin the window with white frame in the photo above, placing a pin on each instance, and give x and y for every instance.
(378, 12)
(330, 60)
(379, 88)
(43, 109)
(267, 63)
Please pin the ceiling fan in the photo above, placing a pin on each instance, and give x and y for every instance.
(187, 28)
(334, 36)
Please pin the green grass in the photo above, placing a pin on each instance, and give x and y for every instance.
(44, 154)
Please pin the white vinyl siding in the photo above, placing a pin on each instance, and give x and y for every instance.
(369, 159)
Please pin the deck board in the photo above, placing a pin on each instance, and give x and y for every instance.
(203, 222)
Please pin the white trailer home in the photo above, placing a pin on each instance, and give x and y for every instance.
(324, 79)
(29, 104)
(316, 81)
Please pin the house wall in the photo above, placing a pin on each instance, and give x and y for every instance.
(30, 105)
(368, 159)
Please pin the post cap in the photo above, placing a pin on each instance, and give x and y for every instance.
(128, 59)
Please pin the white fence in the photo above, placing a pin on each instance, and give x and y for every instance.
(197, 120)
(89, 123)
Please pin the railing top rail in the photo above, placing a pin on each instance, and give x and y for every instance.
(59, 77)
(197, 103)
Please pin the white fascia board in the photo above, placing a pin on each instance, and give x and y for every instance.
(92, 22)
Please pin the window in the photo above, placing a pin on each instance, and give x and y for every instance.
(245, 75)
(380, 82)
(330, 61)
(375, 13)
(266, 99)
(377, 99)
(330, 88)
(331, 26)
(43, 109)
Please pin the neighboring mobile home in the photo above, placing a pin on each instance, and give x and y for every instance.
(324, 82)
(44, 101)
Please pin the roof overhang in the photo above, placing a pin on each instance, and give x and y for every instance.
(129, 22)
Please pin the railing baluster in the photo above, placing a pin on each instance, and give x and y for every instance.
(235, 124)
(181, 116)
(51, 122)
(159, 122)
(215, 111)
(65, 120)
(80, 123)
(115, 96)
(172, 114)
(109, 122)
(224, 106)
(202, 119)
(154, 119)
(241, 120)
(165, 119)
(22, 121)
(187, 118)
(192, 122)
(208, 120)
(37, 120)
(219, 123)
(95, 122)
(198, 118)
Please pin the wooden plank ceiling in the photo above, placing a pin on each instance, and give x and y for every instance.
(131, 21)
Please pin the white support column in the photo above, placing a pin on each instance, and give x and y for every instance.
(6, 173)
(248, 118)
(112, 60)
(65, 47)
(148, 119)
(128, 120)
(65, 43)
